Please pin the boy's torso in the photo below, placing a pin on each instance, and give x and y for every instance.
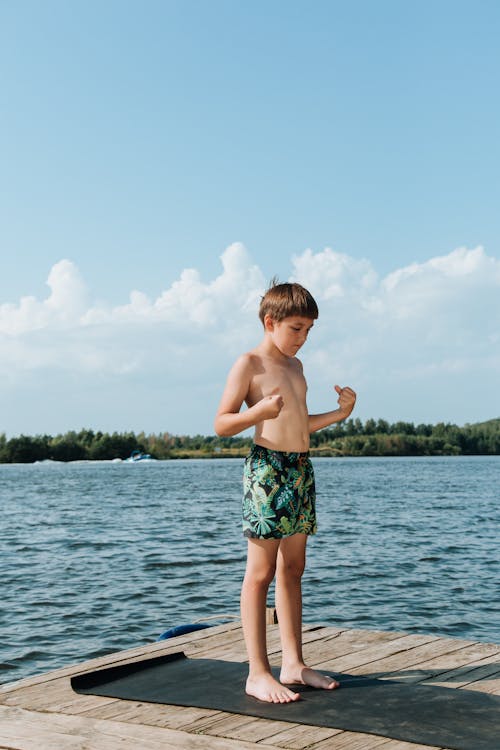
(289, 431)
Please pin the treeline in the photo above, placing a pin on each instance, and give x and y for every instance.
(88, 445)
(379, 438)
(349, 438)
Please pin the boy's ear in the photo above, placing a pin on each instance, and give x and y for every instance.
(268, 323)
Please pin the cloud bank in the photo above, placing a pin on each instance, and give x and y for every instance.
(421, 343)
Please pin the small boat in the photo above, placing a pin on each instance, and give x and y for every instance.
(136, 456)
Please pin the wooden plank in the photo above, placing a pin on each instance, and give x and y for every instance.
(203, 723)
(300, 736)
(252, 729)
(161, 715)
(232, 647)
(77, 704)
(464, 675)
(203, 648)
(41, 697)
(362, 660)
(460, 667)
(237, 726)
(349, 741)
(397, 664)
(226, 725)
(352, 642)
(400, 745)
(29, 730)
(235, 651)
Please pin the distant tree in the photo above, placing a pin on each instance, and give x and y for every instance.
(424, 429)
(370, 427)
(26, 449)
(3, 448)
(67, 448)
(403, 428)
(86, 437)
(353, 427)
(382, 427)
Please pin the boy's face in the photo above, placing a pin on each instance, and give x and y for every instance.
(289, 334)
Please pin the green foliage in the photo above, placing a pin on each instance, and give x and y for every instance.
(349, 438)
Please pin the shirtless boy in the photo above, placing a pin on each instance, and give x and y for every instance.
(279, 493)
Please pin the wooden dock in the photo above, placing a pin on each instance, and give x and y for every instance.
(43, 713)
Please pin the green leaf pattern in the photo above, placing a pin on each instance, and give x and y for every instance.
(278, 494)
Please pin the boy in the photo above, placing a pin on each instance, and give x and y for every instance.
(279, 492)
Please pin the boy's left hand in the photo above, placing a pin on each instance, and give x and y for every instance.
(346, 399)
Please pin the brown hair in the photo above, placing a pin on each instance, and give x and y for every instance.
(284, 300)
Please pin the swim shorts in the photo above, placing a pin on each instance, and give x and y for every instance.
(279, 497)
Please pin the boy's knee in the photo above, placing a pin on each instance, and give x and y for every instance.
(292, 568)
(261, 576)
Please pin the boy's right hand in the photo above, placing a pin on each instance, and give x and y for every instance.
(270, 406)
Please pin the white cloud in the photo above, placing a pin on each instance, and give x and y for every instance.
(332, 274)
(68, 297)
(189, 300)
(431, 325)
(64, 305)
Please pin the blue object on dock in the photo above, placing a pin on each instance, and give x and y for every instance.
(182, 630)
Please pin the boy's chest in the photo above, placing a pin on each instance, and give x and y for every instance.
(282, 380)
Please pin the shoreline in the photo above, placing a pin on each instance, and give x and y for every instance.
(240, 455)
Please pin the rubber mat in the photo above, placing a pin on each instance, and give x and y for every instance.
(444, 717)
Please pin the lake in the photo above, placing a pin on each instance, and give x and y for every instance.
(98, 557)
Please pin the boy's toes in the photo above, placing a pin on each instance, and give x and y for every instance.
(266, 688)
(287, 696)
(306, 676)
(332, 684)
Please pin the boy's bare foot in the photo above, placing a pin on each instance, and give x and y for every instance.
(266, 688)
(302, 675)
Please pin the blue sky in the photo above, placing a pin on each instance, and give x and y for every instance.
(336, 143)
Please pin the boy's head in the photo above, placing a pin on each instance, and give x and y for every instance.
(286, 300)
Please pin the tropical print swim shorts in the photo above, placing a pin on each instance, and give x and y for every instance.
(279, 497)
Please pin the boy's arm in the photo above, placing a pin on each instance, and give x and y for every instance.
(228, 420)
(346, 401)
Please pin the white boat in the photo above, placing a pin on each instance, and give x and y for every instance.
(137, 456)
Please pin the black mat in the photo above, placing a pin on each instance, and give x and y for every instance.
(443, 717)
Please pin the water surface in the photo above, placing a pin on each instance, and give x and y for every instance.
(98, 557)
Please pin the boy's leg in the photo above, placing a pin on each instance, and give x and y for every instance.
(291, 560)
(261, 566)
